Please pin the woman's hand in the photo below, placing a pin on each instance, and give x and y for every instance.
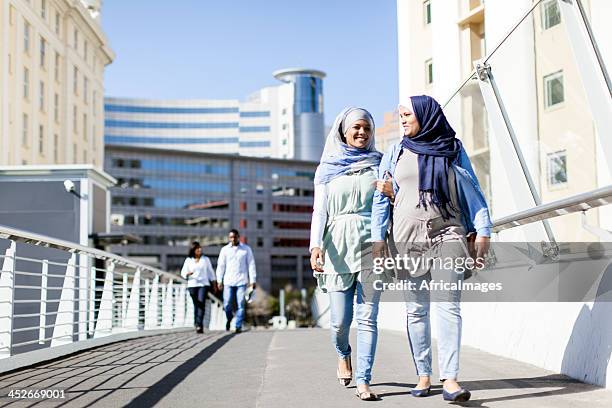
(189, 273)
(482, 245)
(386, 187)
(379, 249)
(316, 259)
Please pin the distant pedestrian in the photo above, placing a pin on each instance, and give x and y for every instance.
(235, 271)
(200, 276)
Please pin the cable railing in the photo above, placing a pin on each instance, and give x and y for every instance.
(57, 293)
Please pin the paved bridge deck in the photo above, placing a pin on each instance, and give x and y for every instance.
(276, 369)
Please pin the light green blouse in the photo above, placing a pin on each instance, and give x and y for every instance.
(349, 210)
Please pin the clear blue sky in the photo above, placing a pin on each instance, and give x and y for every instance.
(227, 49)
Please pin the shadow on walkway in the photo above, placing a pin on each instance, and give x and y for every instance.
(564, 385)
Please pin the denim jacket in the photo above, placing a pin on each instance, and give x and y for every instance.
(473, 206)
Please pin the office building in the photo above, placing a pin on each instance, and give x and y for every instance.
(52, 58)
(282, 121)
(170, 198)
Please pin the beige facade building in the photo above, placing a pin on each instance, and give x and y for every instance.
(52, 59)
(388, 132)
(539, 83)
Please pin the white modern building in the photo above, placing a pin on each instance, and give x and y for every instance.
(282, 121)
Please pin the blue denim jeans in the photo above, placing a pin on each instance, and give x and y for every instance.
(366, 312)
(231, 295)
(448, 324)
(198, 296)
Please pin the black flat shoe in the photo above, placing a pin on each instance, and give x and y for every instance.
(420, 392)
(462, 395)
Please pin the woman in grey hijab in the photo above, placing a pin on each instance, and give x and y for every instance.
(344, 190)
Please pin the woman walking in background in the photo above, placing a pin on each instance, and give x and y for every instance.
(437, 201)
(198, 271)
(344, 189)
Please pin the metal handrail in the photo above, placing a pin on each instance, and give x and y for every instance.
(48, 242)
(576, 203)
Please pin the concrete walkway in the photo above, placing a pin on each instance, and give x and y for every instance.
(276, 369)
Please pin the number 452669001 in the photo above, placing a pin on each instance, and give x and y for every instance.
(36, 394)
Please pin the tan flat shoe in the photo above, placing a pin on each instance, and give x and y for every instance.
(366, 395)
(345, 379)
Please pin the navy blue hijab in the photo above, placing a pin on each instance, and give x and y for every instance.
(436, 147)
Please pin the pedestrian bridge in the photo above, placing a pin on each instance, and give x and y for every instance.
(266, 368)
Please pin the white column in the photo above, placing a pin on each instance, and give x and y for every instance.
(83, 294)
(104, 324)
(180, 307)
(152, 312)
(133, 309)
(168, 305)
(92, 302)
(124, 299)
(7, 282)
(64, 321)
(43, 302)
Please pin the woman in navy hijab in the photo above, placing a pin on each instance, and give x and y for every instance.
(428, 181)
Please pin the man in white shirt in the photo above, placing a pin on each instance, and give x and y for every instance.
(235, 270)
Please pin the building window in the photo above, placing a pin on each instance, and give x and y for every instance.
(41, 97)
(551, 14)
(56, 107)
(554, 92)
(26, 83)
(557, 168)
(85, 156)
(43, 47)
(260, 224)
(85, 87)
(26, 37)
(85, 126)
(55, 148)
(427, 12)
(74, 119)
(43, 9)
(429, 72)
(94, 102)
(24, 134)
(259, 206)
(85, 51)
(57, 66)
(57, 23)
(41, 139)
(74, 153)
(75, 80)
(76, 40)
(260, 242)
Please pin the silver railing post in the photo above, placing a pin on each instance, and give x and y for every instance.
(43, 302)
(7, 300)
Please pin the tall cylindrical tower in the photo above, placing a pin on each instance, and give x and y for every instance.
(308, 120)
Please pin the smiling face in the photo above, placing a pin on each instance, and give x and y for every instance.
(359, 134)
(409, 121)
